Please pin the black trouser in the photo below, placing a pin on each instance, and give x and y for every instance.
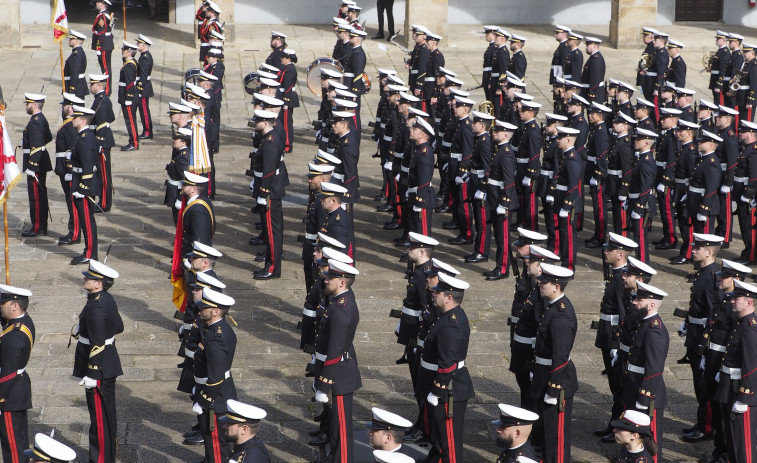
(106, 180)
(521, 356)
(273, 229)
(101, 402)
(600, 212)
(739, 428)
(285, 116)
(619, 217)
(340, 429)
(555, 427)
(549, 223)
(103, 59)
(704, 412)
(501, 231)
(528, 211)
(565, 240)
(640, 237)
(482, 239)
(420, 222)
(217, 450)
(73, 227)
(130, 121)
(144, 114)
(725, 218)
(36, 187)
(446, 433)
(14, 435)
(463, 210)
(212, 176)
(387, 5)
(85, 215)
(748, 231)
(308, 264)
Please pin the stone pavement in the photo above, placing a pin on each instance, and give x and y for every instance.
(269, 367)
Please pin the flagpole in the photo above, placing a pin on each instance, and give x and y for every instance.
(124, 21)
(7, 260)
(62, 72)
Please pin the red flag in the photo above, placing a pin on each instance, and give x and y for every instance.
(10, 174)
(177, 268)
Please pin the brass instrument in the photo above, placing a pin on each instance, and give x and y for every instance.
(707, 59)
(735, 84)
(487, 107)
(645, 62)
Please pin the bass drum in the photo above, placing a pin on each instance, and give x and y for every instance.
(191, 75)
(314, 72)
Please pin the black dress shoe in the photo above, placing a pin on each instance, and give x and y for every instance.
(603, 432)
(259, 258)
(402, 244)
(442, 209)
(414, 435)
(593, 244)
(378, 36)
(679, 260)
(384, 208)
(608, 438)
(476, 257)
(315, 432)
(689, 429)
(666, 246)
(145, 137)
(696, 436)
(660, 241)
(391, 226)
(196, 439)
(66, 241)
(129, 147)
(322, 439)
(79, 260)
(379, 197)
(31, 233)
(459, 240)
(192, 433)
(743, 261)
(266, 276)
(450, 226)
(255, 240)
(496, 275)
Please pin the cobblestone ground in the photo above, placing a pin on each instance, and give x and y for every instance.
(269, 367)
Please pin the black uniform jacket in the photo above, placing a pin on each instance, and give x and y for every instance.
(99, 322)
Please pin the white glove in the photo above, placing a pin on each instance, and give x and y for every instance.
(563, 213)
(459, 180)
(261, 201)
(397, 330)
(312, 362)
(622, 199)
(635, 216)
(701, 217)
(613, 352)
(78, 195)
(177, 204)
(717, 377)
(640, 406)
(416, 209)
(252, 185)
(397, 177)
(68, 177)
(318, 134)
(197, 409)
(388, 165)
(181, 329)
(531, 376)
(68, 155)
(312, 385)
(683, 198)
(661, 188)
(549, 198)
(682, 329)
(29, 173)
(432, 399)
(550, 400)
(739, 407)
(593, 182)
(614, 359)
(701, 364)
(624, 204)
(501, 210)
(744, 199)
(526, 181)
(88, 382)
(480, 195)
(445, 167)
(725, 189)
(321, 397)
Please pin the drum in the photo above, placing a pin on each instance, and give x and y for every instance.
(367, 82)
(251, 83)
(191, 75)
(314, 72)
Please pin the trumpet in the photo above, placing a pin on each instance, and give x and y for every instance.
(735, 84)
(707, 59)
